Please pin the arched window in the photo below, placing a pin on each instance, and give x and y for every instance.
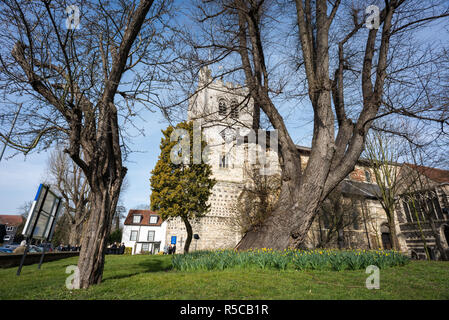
(222, 107)
(234, 110)
(368, 176)
(224, 161)
(385, 235)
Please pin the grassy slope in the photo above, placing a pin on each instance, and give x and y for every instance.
(150, 277)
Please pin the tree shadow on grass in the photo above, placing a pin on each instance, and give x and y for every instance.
(146, 266)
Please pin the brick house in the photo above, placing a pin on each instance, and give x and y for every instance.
(11, 224)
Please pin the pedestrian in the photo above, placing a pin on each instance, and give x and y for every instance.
(21, 248)
(114, 248)
(122, 248)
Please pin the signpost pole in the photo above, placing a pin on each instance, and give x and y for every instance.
(31, 234)
(42, 256)
(23, 257)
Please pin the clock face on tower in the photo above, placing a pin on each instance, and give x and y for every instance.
(228, 134)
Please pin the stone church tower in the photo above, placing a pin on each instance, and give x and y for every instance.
(224, 112)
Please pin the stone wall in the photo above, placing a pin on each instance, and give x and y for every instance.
(217, 230)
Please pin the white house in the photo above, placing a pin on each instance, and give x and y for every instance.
(144, 231)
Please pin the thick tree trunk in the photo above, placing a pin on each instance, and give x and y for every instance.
(92, 255)
(289, 222)
(189, 234)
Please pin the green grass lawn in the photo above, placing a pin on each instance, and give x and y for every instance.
(152, 277)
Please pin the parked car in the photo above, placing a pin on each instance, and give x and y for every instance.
(5, 250)
(34, 249)
(11, 246)
(48, 247)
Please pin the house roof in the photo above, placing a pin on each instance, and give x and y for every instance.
(11, 219)
(437, 175)
(146, 214)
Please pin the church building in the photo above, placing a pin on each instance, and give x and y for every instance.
(225, 112)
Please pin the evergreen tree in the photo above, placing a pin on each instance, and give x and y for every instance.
(181, 189)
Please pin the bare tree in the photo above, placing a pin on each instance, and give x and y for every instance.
(256, 200)
(69, 181)
(336, 213)
(81, 83)
(383, 154)
(341, 67)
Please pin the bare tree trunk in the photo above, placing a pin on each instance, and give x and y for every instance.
(77, 223)
(75, 235)
(392, 228)
(393, 236)
(92, 255)
(189, 234)
(288, 224)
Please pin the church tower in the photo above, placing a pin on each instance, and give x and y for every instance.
(224, 111)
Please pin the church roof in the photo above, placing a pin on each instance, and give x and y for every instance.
(437, 175)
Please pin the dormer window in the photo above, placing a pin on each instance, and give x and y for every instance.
(234, 110)
(137, 218)
(153, 219)
(222, 107)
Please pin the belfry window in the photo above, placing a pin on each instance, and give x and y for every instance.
(234, 110)
(222, 107)
(224, 161)
(368, 176)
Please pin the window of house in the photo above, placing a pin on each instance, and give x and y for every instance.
(234, 110)
(133, 236)
(368, 176)
(9, 228)
(145, 247)
(222, 107)
(151, 235)
(223, 161)
(153, 219)
(137, 219)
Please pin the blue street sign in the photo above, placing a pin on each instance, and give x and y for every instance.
(173, 239)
